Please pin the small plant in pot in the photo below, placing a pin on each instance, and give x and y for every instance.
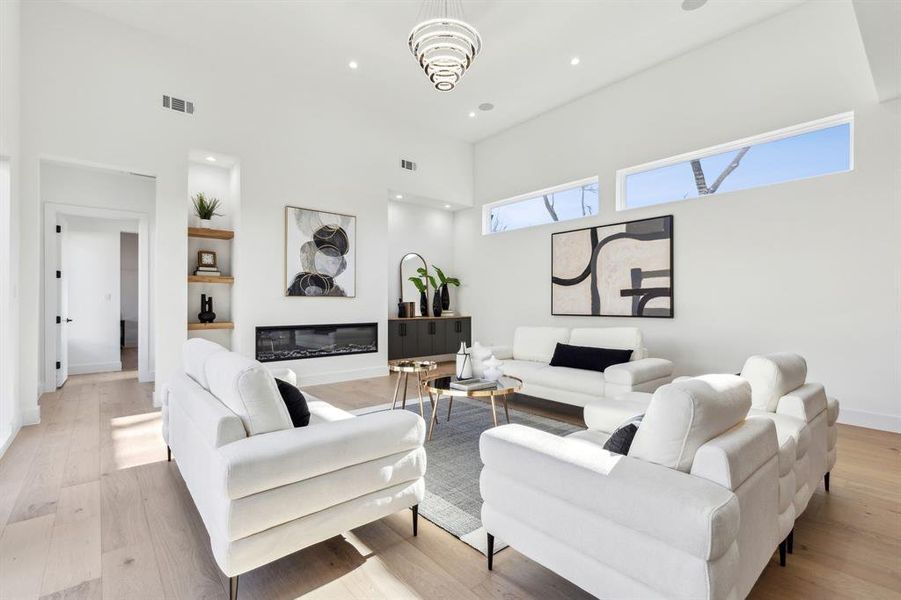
(205, 208)
(423, 298)
(445, 281)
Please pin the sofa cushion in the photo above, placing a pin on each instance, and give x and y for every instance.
(831, 411)
(194, 355)
(521, 368)
(684, 416)
(787, 426)
(623, 338)
(608, 414)
(564, 378)
(248, 389)
(588, 357)
(294, 402)
(538, 343)
(772, 376)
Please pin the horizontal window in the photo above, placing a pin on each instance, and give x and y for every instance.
(807, 150)
(561, 203)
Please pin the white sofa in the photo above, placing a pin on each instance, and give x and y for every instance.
(265, 489)
(689, 513)
(533, 347)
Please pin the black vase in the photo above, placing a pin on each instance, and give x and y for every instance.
(445, 297)
(423, 304)
(206, 314)
(436, 304)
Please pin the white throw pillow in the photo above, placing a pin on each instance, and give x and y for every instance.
(248, 389)
(684, 416)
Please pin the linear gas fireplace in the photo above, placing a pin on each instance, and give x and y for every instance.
(295, 342)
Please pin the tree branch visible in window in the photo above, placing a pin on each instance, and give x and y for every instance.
(700, 181)
(586, 209)
(549, 205)
(495, 224)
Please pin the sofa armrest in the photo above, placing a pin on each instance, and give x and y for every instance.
(683, 511)
(805, 402)
(269, 460)
(285, 374)
(639, 371)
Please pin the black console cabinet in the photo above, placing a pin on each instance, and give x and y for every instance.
(420, 336)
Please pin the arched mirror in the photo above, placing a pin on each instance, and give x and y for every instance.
(409, 266)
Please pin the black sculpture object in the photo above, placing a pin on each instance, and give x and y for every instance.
(206, 314)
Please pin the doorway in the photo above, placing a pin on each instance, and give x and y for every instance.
(98, 275)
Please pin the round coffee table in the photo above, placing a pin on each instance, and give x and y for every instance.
(403, 368)
(440, 386)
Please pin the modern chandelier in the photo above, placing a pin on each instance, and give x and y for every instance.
(443, 43)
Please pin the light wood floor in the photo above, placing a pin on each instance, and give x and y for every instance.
(89, 508)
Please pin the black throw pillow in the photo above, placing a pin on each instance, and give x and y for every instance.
(621, 440)
(588, 358)
(295, 403)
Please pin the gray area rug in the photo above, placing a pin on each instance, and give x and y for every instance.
(452, 500)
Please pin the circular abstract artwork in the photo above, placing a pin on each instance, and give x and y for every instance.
(319, 254)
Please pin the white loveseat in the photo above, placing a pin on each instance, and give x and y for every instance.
(689, 513)
(265, 489)
(533, 348)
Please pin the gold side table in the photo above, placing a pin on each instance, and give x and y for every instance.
(440, 386)
(403, 368)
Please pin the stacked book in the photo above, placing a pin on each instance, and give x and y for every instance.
(469, 385)
(208, 271)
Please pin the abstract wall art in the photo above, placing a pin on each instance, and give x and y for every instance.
(618, 270)
(320, 250)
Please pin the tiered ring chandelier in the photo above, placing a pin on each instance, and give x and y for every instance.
(443, 43)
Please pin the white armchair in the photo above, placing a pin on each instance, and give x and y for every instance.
(689, 513)
(266, 489)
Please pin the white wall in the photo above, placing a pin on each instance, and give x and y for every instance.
(128, 286)
(810, 266)
(11, 416)
(91, 271)
(424, 230)
(296, 144)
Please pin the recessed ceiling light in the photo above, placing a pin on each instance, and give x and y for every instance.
(574, 61)
(693, 4)
(486, 106)
(472, 113)
(399, 196)
(353, 64)
(211, 158)
(447, 206)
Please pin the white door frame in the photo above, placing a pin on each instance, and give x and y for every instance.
(51, 213)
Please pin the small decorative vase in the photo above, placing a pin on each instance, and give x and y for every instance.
(206, 314)
(493, 369)
(205, 223)
(445, 298)
(436, 304)
(423, 304)
(464, 364)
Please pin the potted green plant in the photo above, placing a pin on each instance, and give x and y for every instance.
(205, 208)
(423, 298)
(445, 281)
(436, 299)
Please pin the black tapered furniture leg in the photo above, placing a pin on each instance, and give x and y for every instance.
(415, 509)
(826, 481)
(490, 552)
(233, 588)
(168, 454)
(783, 548)
(791, 541)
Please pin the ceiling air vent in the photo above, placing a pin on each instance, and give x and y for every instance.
(179, 105)
(409, 165)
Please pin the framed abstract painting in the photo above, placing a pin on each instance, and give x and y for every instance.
(617, 270)
(320, 253)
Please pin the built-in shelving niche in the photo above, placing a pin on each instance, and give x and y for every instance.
(219, 178)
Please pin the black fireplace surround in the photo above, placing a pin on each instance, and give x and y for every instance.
(297, 342)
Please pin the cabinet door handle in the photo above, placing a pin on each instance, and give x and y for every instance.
(403, 329)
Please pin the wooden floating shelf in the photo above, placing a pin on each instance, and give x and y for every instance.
(214, 234)
(207, 326)
(210, 279)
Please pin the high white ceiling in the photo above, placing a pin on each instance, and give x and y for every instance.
(524, 68)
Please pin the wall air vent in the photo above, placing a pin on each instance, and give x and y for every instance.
(409, 165)
(179, 105)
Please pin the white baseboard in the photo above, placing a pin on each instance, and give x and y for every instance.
(6, 439)
(31, 415)
(338, 376)
(86, 368)
(870, 420)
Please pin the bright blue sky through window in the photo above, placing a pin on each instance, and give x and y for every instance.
(568, 204)
(805, 155)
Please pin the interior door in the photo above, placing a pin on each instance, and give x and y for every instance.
(62, 310)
